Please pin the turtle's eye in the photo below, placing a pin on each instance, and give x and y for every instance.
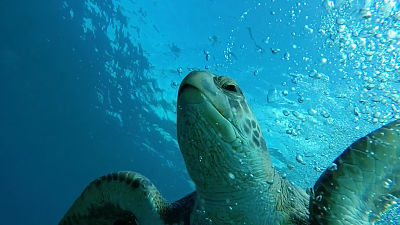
(230, 87)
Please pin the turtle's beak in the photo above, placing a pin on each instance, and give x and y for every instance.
(197, 87)
(203, 81)
(199, 92)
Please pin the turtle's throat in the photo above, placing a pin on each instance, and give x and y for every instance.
(234, 204)
(223, 196)
(239, 174)
(215, 200)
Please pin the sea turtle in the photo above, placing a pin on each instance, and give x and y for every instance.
(227, 158)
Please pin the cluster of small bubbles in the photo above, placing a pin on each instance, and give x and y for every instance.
(308, 29)
(300, 99)
(228, 54)
(286, 56)
(209, 220)
(296, 77)
(316, 75)
(318, 169)
(341, 95)
(293, 130)
(369, 40)
(390, 215)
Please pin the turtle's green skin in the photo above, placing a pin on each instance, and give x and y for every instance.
(227, 158)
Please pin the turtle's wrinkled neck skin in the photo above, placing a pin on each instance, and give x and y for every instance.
(227, 158)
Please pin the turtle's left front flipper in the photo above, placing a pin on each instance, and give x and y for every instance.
(118, 199)
(363, 181)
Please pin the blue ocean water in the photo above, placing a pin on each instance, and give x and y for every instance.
(89, 87)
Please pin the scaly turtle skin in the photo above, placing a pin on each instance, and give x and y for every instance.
(227, 158)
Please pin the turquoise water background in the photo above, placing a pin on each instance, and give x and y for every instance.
(89, 87)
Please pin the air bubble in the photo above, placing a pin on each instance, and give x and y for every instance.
(333, 167)
(312, 112)
(387, 183)
(340, 21)
(285, 112)
(299, 159)
(325, 114)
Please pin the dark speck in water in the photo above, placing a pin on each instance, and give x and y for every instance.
(175, 49)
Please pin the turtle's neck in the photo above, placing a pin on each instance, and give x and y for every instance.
(241, 190)
(238, 185)
(254, 202)
(259, 202)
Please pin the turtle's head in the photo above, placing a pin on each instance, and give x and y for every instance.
(218, 134)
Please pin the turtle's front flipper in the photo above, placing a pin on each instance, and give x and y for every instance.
(363, 181)
(118, 199)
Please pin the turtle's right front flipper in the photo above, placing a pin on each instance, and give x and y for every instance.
(118, 199)
(363, 181)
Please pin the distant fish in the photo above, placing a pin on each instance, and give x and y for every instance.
(258, 47)
(175, 49)
(213, 39)
(275, 50)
